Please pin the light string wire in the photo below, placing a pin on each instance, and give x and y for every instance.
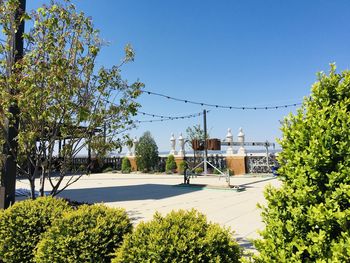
(162, 117)
(211, 105)
(222, 106)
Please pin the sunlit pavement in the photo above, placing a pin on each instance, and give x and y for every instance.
(144, 194)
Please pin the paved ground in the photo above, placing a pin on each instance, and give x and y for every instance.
(143, 194)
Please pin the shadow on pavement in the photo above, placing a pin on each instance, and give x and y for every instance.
(125, 193)
(245, 243)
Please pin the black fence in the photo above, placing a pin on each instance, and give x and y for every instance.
(114, 163)
(260, 164)
(254, 164)
(219, 161)
(97, 164)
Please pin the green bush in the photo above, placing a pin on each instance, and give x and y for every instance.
(82, 168)
(230, 172)
(198, 170)
(170, 165)
(225, 171)
(89, 234)
(96, 165)
(182, 236)
(308, 218)
(126, 165)
(182, 166)
(107, 169)
(216, 171)
(22, 226)
(146, 151)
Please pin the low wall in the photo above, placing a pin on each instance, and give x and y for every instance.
(238, 164)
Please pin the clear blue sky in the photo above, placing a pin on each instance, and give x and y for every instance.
(244, 53)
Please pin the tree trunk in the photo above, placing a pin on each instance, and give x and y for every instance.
(42, 182)
(32, 187)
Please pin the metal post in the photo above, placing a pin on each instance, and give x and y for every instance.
(89, 161)
(267, 155)
(10, 148)
(205, 142)
(59, 147)
(105, 132)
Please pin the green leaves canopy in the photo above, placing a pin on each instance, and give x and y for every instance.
(146, 153)
(59, 91)
(308, 218)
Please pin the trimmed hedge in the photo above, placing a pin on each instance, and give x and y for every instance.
(182, 166)
(182, 236)
(198, 170)
(22, 226)
(170, 165)
(126, 165)
(89, 234)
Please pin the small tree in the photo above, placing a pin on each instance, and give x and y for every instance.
(170, 165)
(63, 99)
(195, 133)
(146, 153)
(307, 219)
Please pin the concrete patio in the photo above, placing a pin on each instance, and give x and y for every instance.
(144, 194)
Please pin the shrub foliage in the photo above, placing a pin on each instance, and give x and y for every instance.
(170, 165)
(183, 236)
(126, 165)
(308, 218)
(182, 167)
(89, 234)
(22, 226)
(146, 153)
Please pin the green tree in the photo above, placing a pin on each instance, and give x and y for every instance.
(146, 151)
(61, 95)
(308, 218)
(195, 133)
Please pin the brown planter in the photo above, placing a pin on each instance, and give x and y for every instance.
(198, 145)
(214, 144)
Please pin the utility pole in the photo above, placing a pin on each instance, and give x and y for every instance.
(10, 148)
(205, 142)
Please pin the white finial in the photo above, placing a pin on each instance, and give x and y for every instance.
(172, 144)
(182, 145)
(229, 140)
(241, 139)
(134, 142)
(129, 153)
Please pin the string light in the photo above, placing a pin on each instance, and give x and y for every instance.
(221, 106)
(171, 117)
(162, 117)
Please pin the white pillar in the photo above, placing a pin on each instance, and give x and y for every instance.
(241, 139)
(229, 140)
(172, 144)
(134, 142)
(182, 145)
(129, 152)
